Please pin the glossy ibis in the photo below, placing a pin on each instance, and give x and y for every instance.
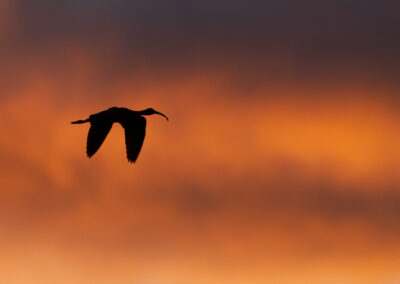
(132, 121)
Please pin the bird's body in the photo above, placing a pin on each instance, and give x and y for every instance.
(132, 121)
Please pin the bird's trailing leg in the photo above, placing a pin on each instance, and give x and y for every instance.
(80, 121)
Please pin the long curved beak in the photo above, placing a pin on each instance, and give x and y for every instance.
(156, 112)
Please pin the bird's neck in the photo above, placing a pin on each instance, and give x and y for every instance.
(143, 112)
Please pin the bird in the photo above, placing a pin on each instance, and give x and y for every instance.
(133, 122)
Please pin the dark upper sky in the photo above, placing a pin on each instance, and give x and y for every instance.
(314, 34)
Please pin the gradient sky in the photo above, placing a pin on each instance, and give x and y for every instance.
(280, 162)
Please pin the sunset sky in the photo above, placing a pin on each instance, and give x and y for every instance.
(280, 162)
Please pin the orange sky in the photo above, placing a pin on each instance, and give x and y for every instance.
(264, 173)
(238, 190)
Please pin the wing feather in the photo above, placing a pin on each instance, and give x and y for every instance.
(135, 131)
(97, 134)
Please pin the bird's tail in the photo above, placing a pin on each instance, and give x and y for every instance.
(80, 121)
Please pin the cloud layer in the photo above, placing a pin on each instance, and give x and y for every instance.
(280, 154)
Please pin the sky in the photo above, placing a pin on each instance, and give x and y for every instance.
(280, 162)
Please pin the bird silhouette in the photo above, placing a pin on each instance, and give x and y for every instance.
(132, 121)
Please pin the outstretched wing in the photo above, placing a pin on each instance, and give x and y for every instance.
(97, 133)
(135, 130)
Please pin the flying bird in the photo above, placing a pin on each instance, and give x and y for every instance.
(132, 121)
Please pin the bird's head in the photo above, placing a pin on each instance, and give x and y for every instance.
(150, 111)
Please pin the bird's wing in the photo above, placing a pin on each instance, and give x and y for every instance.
(97, 133)
(135, 130)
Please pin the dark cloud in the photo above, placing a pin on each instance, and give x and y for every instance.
(315, 36)
(250, 45)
